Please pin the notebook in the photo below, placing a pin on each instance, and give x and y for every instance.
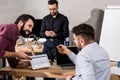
(63, 60)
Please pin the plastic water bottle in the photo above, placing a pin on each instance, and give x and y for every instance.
(118, 64)
(66, 42)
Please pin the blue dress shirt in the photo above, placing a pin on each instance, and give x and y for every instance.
(92, 63)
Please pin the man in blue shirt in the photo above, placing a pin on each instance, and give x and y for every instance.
(92, 61)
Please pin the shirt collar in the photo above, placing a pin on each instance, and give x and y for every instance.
(57, 15)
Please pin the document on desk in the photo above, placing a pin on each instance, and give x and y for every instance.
(115, 70)
(40, 61)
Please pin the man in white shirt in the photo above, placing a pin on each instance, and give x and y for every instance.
(92, 61)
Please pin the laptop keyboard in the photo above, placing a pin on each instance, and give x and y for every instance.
(67, 66)
(63, 65)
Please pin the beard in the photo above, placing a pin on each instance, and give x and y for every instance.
(53, 14)
(23, 32)
(79, 46)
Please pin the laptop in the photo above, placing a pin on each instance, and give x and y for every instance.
(40, 61)
(64, 61)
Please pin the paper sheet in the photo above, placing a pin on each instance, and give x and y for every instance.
(115, 70)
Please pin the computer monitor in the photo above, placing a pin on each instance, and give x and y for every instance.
(37, 27)
(63, 59)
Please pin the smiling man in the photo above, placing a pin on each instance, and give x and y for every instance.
(54, 28)
(9, 34)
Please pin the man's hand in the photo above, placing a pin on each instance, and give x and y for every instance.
(63, 49)
(22, 55)
(69, 77)
(47, 33)
(53, 34)
(50, 33)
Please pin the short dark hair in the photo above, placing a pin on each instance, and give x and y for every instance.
(25, 18)
(84, 30)
(50, 2)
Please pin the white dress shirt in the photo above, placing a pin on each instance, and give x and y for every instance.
(92, 63)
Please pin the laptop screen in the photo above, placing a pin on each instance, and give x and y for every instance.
(63, 59)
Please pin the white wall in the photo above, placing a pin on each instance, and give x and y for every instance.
(77, 11)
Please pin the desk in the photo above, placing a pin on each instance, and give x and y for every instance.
(52, 72)
(114, 76)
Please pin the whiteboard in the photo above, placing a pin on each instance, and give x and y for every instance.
(110, 33)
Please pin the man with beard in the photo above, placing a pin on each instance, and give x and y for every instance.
(92, 61)
(54, 28)
(9, 33)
